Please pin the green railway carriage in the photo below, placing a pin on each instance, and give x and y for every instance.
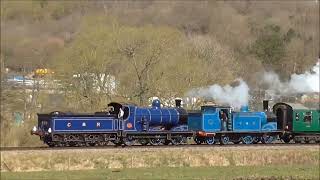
(306, 120)
(298, 123)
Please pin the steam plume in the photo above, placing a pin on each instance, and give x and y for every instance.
(233, 96)
(298, 83)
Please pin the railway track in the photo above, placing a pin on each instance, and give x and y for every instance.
(158, 147)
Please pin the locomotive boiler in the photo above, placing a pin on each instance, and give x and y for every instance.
(157, 117)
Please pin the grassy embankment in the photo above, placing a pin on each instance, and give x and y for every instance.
(228, 172)
(176, 163)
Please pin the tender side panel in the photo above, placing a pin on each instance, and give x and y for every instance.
(83, 124)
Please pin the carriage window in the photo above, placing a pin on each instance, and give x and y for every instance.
(307, 117)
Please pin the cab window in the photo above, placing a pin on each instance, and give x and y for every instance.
(225, 111)
(126, 112)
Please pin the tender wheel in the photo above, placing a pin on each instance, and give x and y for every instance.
(224, 140)
(247, 140)
(210, 140)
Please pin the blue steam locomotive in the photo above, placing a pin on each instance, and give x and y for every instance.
(128, 124)
(220, 124)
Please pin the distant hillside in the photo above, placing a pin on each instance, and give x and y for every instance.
(34, 31)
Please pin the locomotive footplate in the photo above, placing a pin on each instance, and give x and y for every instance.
(157, 134)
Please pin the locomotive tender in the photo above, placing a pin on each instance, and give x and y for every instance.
(128, 124)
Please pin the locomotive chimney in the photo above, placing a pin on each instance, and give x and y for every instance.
(178, 102)
(265, 105)
(244, 108)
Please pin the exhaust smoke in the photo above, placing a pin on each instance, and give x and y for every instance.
(236, 96)
(298, 83)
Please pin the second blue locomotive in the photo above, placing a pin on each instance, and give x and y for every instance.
(221, 124)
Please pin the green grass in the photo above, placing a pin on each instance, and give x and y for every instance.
(231, 172)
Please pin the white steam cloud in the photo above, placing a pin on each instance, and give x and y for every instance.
(298, 83)
(234, 96)
(237, 96)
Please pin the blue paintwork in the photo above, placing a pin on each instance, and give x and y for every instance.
(153, 116)
(244, 108)
(211, 122)
(115, 124)
(271, 126)
(130, 120)
(60, 124)
(207, 121)
(157, 116)
(244, 121)
(195, 121)
(248, 121)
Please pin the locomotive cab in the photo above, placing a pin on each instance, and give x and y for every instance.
(122, 111)
(209, 119)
